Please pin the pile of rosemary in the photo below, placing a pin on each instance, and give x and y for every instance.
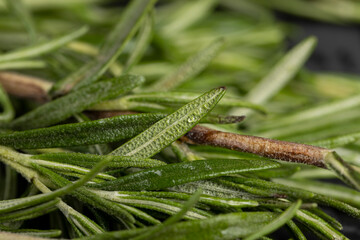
(115, 124)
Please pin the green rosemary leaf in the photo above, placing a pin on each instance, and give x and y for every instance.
(8, 112)
(20, 10)
(44, 5)
(173, 219)
(280, 74)
(317, 108)
(87, 196)
(110, 50)
(167, 130)
(81, 224)
(192, 67)
(222, 119)
(89, 160)
(341, 206)
(276, 223)
(170, 99)
(69, 169)
(280, 204)
(100, 149)
(225, 226)
(206, 199)
(237, 203)
(141, 214)
(75, 102)
(29, 213)
(142, 42)
(280, 172)
(185, 15)
(22, 64)
(166, 206)
(84, 133)
(42, 48)
(10, 205)
(228, 226)
(51, 233)
(14, 204)
(183, 152)
(318, 225)
(271, 188)
(72, 174)
(88, 49)
(248, 8)
(179, 173)
(315, 113)
(214, 189)
(85, 225)
(335, 191)
(346, 172)
(305, 9)
(296, 230)
(187, 206)
(337, 141)
(332, 221)
(10, 180)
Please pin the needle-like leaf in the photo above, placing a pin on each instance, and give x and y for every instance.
(164, 148)
(43, 47)
(346, 172)
(193, 66)
(22, 64)
(29, 213)
(155, 204)
(85, 133)
(67, 187)
(75, 102)
(142, 43)
(21, 11)
(314, 113)
(318, 225)
(338, 192)
(337, 141)
(167, 130)
(86, 196)
(176, 174)
(111, 48)
(89, 160)
(277, 223)
(8, 112)
(173, 219)
(280, 74)
(226, 226)
(170, 99)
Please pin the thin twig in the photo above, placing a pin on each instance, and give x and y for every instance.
(25, 86)
(281, 150)
(36, 89)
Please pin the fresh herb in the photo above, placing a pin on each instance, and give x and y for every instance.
(123, 129)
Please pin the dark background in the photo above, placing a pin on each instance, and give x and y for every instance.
(338, 48)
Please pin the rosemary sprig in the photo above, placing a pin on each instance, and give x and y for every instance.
(121, 125)
(79, 101)
(42, 48)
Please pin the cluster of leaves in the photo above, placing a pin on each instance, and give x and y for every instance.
(154, 76)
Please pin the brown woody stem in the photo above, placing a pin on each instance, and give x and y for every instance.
(25, 86)
(281, 150)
